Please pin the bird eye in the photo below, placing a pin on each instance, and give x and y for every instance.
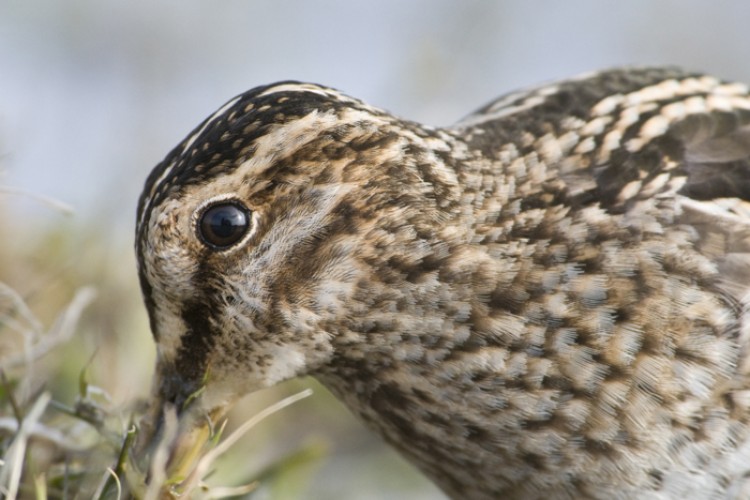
(224, 224)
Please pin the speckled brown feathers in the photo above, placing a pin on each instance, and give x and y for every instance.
(548, 299)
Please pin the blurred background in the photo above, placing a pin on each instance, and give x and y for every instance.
(93, 93)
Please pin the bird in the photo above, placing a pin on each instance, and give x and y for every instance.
(546, 299)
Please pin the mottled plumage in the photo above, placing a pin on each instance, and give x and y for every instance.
(546, 300)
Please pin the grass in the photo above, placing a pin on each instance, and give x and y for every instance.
(76, 358)
(61, 434)
(54, 450)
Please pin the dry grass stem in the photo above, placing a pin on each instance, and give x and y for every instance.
(45, 200)
(36, 342)
(14, 459)
(208, 459)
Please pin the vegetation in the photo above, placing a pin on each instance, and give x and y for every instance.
(75, 361)
(76, 357)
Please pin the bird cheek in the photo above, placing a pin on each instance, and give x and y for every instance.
(283, 363)
(296, 357)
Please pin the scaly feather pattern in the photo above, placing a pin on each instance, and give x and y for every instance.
(546, 300)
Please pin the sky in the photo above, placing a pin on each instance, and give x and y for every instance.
(94, 93)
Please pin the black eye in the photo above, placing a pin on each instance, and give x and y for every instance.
(224, 224)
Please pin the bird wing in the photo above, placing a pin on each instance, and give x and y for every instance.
(642, 178)
(625, 138)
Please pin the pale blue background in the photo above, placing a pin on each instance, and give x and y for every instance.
(94, 92)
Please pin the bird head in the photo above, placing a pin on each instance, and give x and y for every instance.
(258, 237)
